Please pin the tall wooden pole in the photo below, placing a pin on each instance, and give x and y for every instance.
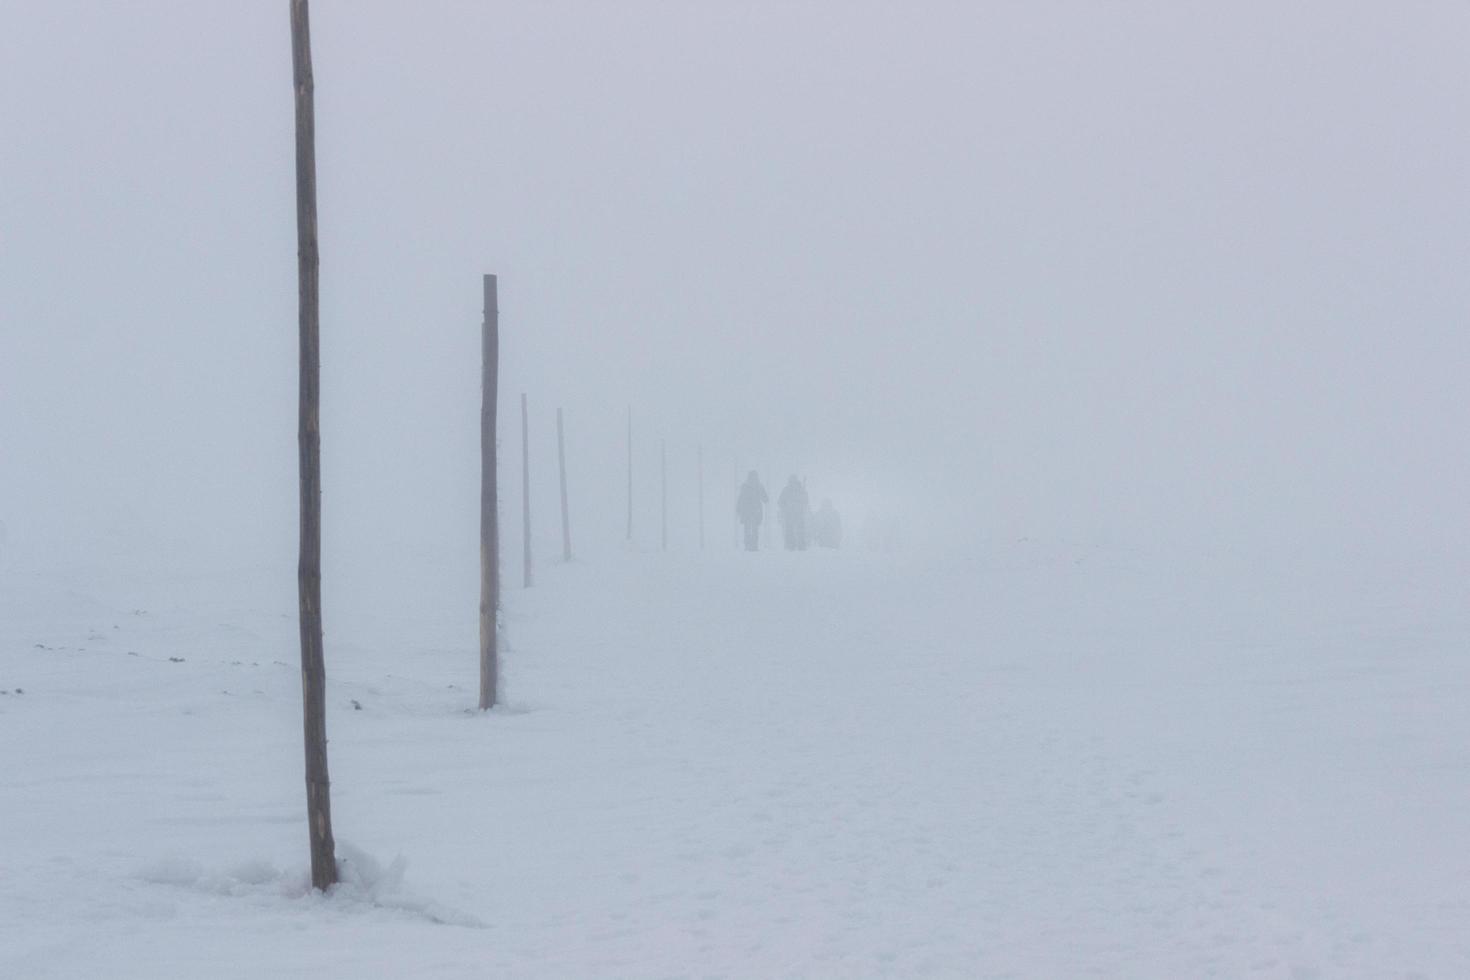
(663, 490)
(700, 465)
(561, 466)
(525, 490)
(630, 474)
(489, 503)
(308, 439)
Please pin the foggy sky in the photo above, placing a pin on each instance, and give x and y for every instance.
(1188, 272)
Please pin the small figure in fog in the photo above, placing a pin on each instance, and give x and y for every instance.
(827, 526)
(750, 507)
(793, 506)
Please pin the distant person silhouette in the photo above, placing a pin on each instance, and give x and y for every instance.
(751, 509)
(793, 506)
(827, 526)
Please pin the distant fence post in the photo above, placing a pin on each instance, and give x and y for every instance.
(736, 485)
(525, 491)
(489, 506)
(561, 465)
(630, 474)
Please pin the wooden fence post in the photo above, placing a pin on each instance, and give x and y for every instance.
(561, 465)
(630, 474)
(525, 491)
(737, 504)
(489, 502)
(308, 438)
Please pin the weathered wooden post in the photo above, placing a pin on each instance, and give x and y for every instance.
(663, 490)
(699, 455)
(308, 438)
(489, 504)
(630, 474)
(561, 465)
(525, 491)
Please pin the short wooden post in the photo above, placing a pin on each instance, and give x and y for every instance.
(526, 490)
(489, 504)
(561, 465)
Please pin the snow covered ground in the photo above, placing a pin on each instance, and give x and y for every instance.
(1037, 761)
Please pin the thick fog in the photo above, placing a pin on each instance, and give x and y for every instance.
(1184, 273)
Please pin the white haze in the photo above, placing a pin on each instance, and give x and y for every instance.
(1129, 338)
(1184, 274)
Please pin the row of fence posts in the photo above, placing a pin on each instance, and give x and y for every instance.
(561, 466)
(489, 502)
(313, 670)
(663, 489)
(488, 472)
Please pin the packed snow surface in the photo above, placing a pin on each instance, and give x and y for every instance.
(1031, 761)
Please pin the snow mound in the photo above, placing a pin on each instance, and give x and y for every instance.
(247, 878)
(365, 884)
(365, 881)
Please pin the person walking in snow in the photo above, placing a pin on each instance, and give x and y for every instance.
(793, 506)
(750, 507)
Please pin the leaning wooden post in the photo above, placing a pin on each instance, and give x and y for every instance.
(700, 466)
(308, 438)
(630, 474)
(663, 491)
(525, 491)
(489, 504)
(561, 466)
